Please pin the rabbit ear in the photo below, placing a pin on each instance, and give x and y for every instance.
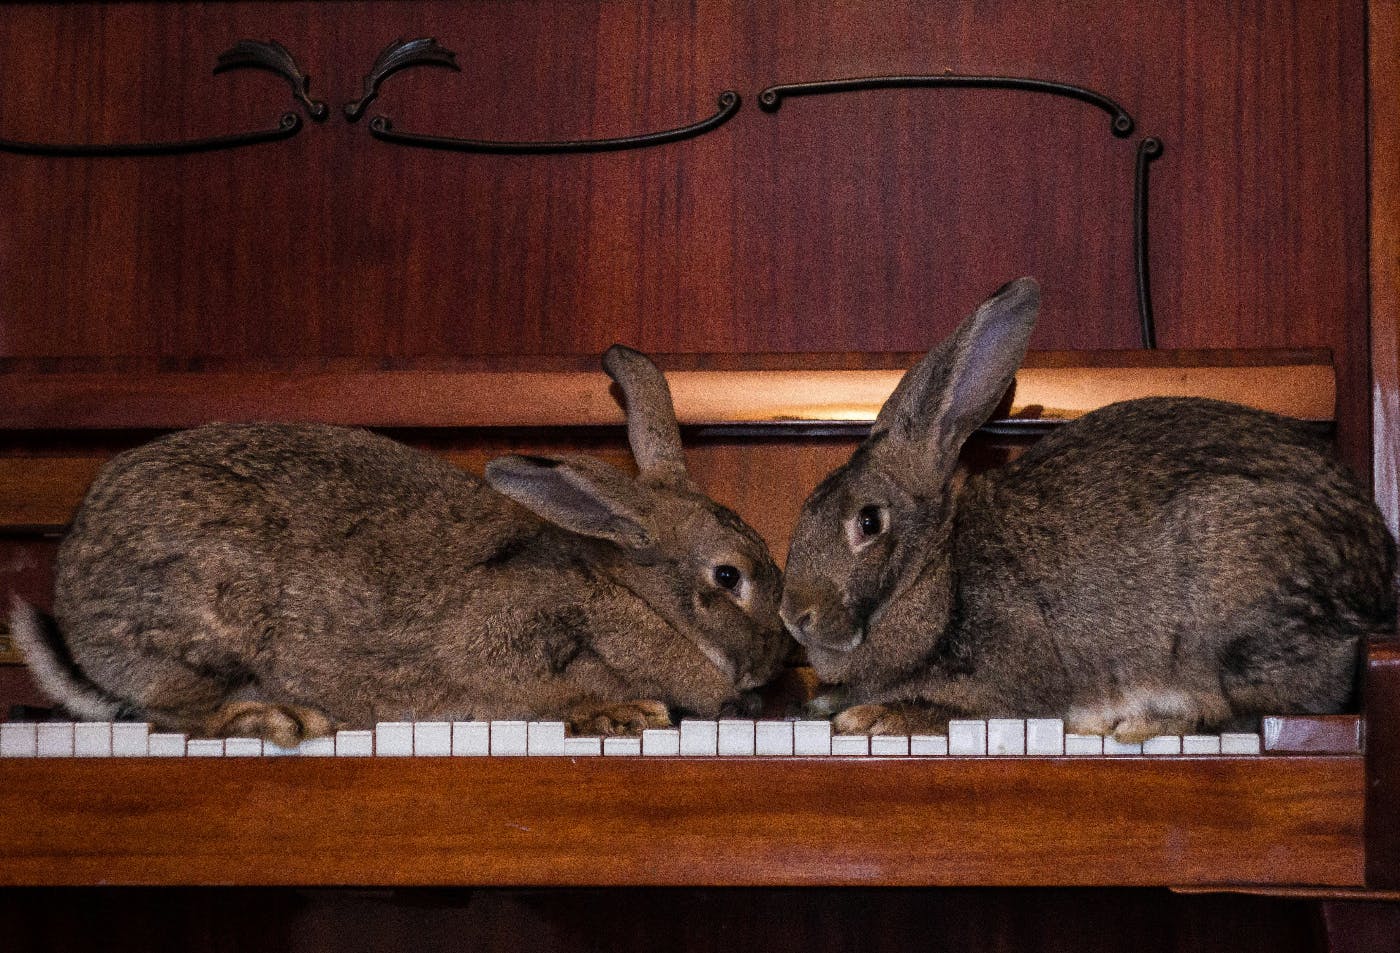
(580, 495)
(651, 417)
(952, 391)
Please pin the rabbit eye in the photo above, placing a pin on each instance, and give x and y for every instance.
(869, 521)
(727, 576)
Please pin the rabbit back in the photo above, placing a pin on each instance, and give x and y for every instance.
(1175, 548)
(312, 561)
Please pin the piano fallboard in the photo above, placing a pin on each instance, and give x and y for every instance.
(1173, 821)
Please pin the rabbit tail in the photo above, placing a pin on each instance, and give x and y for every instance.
(42, 646)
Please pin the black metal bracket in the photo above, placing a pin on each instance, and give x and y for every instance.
(1121, 125)
(246, 54)
(425, 52)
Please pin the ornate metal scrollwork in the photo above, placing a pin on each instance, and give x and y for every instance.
(398, 55)
(771, 99)
(1121, 125)
(423, 52)
(246, 54)
(1148, 150)
(274, 56)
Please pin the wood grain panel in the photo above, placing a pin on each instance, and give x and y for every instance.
(858, 222)
(1382, 699)
(507, 821)
(1384, 105)
(125, 401)
(40, 494)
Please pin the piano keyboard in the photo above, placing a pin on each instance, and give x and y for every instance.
(997, 737)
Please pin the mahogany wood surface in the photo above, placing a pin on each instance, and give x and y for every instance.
(1383, 104)
(1382, 698)
(1299, 734)
(760, 821)
(39, 494)
(859, 222)
(129, 398)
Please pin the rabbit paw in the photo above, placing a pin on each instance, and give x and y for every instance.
(1137, 714)
(284, 725)
(618, 718)
(889, 720)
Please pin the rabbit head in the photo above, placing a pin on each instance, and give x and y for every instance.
(868, 582)
(689, 559)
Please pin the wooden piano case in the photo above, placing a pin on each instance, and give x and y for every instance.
(784, 263)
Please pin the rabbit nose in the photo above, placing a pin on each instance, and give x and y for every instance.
(798, 626)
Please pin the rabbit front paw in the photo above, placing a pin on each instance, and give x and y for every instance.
(283, 725)
(1134, 715)
(903, 719)
(618, 718)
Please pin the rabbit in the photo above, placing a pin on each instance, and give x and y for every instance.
(283, 580)
(1160, 566)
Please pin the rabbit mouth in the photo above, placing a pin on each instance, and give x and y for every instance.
(825, 642)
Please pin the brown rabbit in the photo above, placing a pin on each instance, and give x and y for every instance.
(1160, 566)
(277, 581)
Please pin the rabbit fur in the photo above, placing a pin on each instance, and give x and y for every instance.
(1159, 566)
(281, 580)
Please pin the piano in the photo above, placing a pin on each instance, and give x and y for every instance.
(1308, 804)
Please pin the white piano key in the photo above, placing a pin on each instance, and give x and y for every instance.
(926, 745)
(889, 745)
(622, 747)
(323, 747)
(509, 738)
(273, 750)
(1162, 744)
(1006, 736)
(811, 738)
(165, 745)
(583, 747)
(699, 739)
(130, 739)
(1045, 736)
(967, 737)
(1200, 744)
(1238, 743)
(55, 739)
(544, 738)
(354, 744)
(1112, 746)
(772, 738)
(661, 742)
(850, 745)
(393, 739)
(204, 748)
(736, 736)
(243, 747)
(1083, 744)
(471, 739)
(19, 739)
(432, 739)
(92, 739)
